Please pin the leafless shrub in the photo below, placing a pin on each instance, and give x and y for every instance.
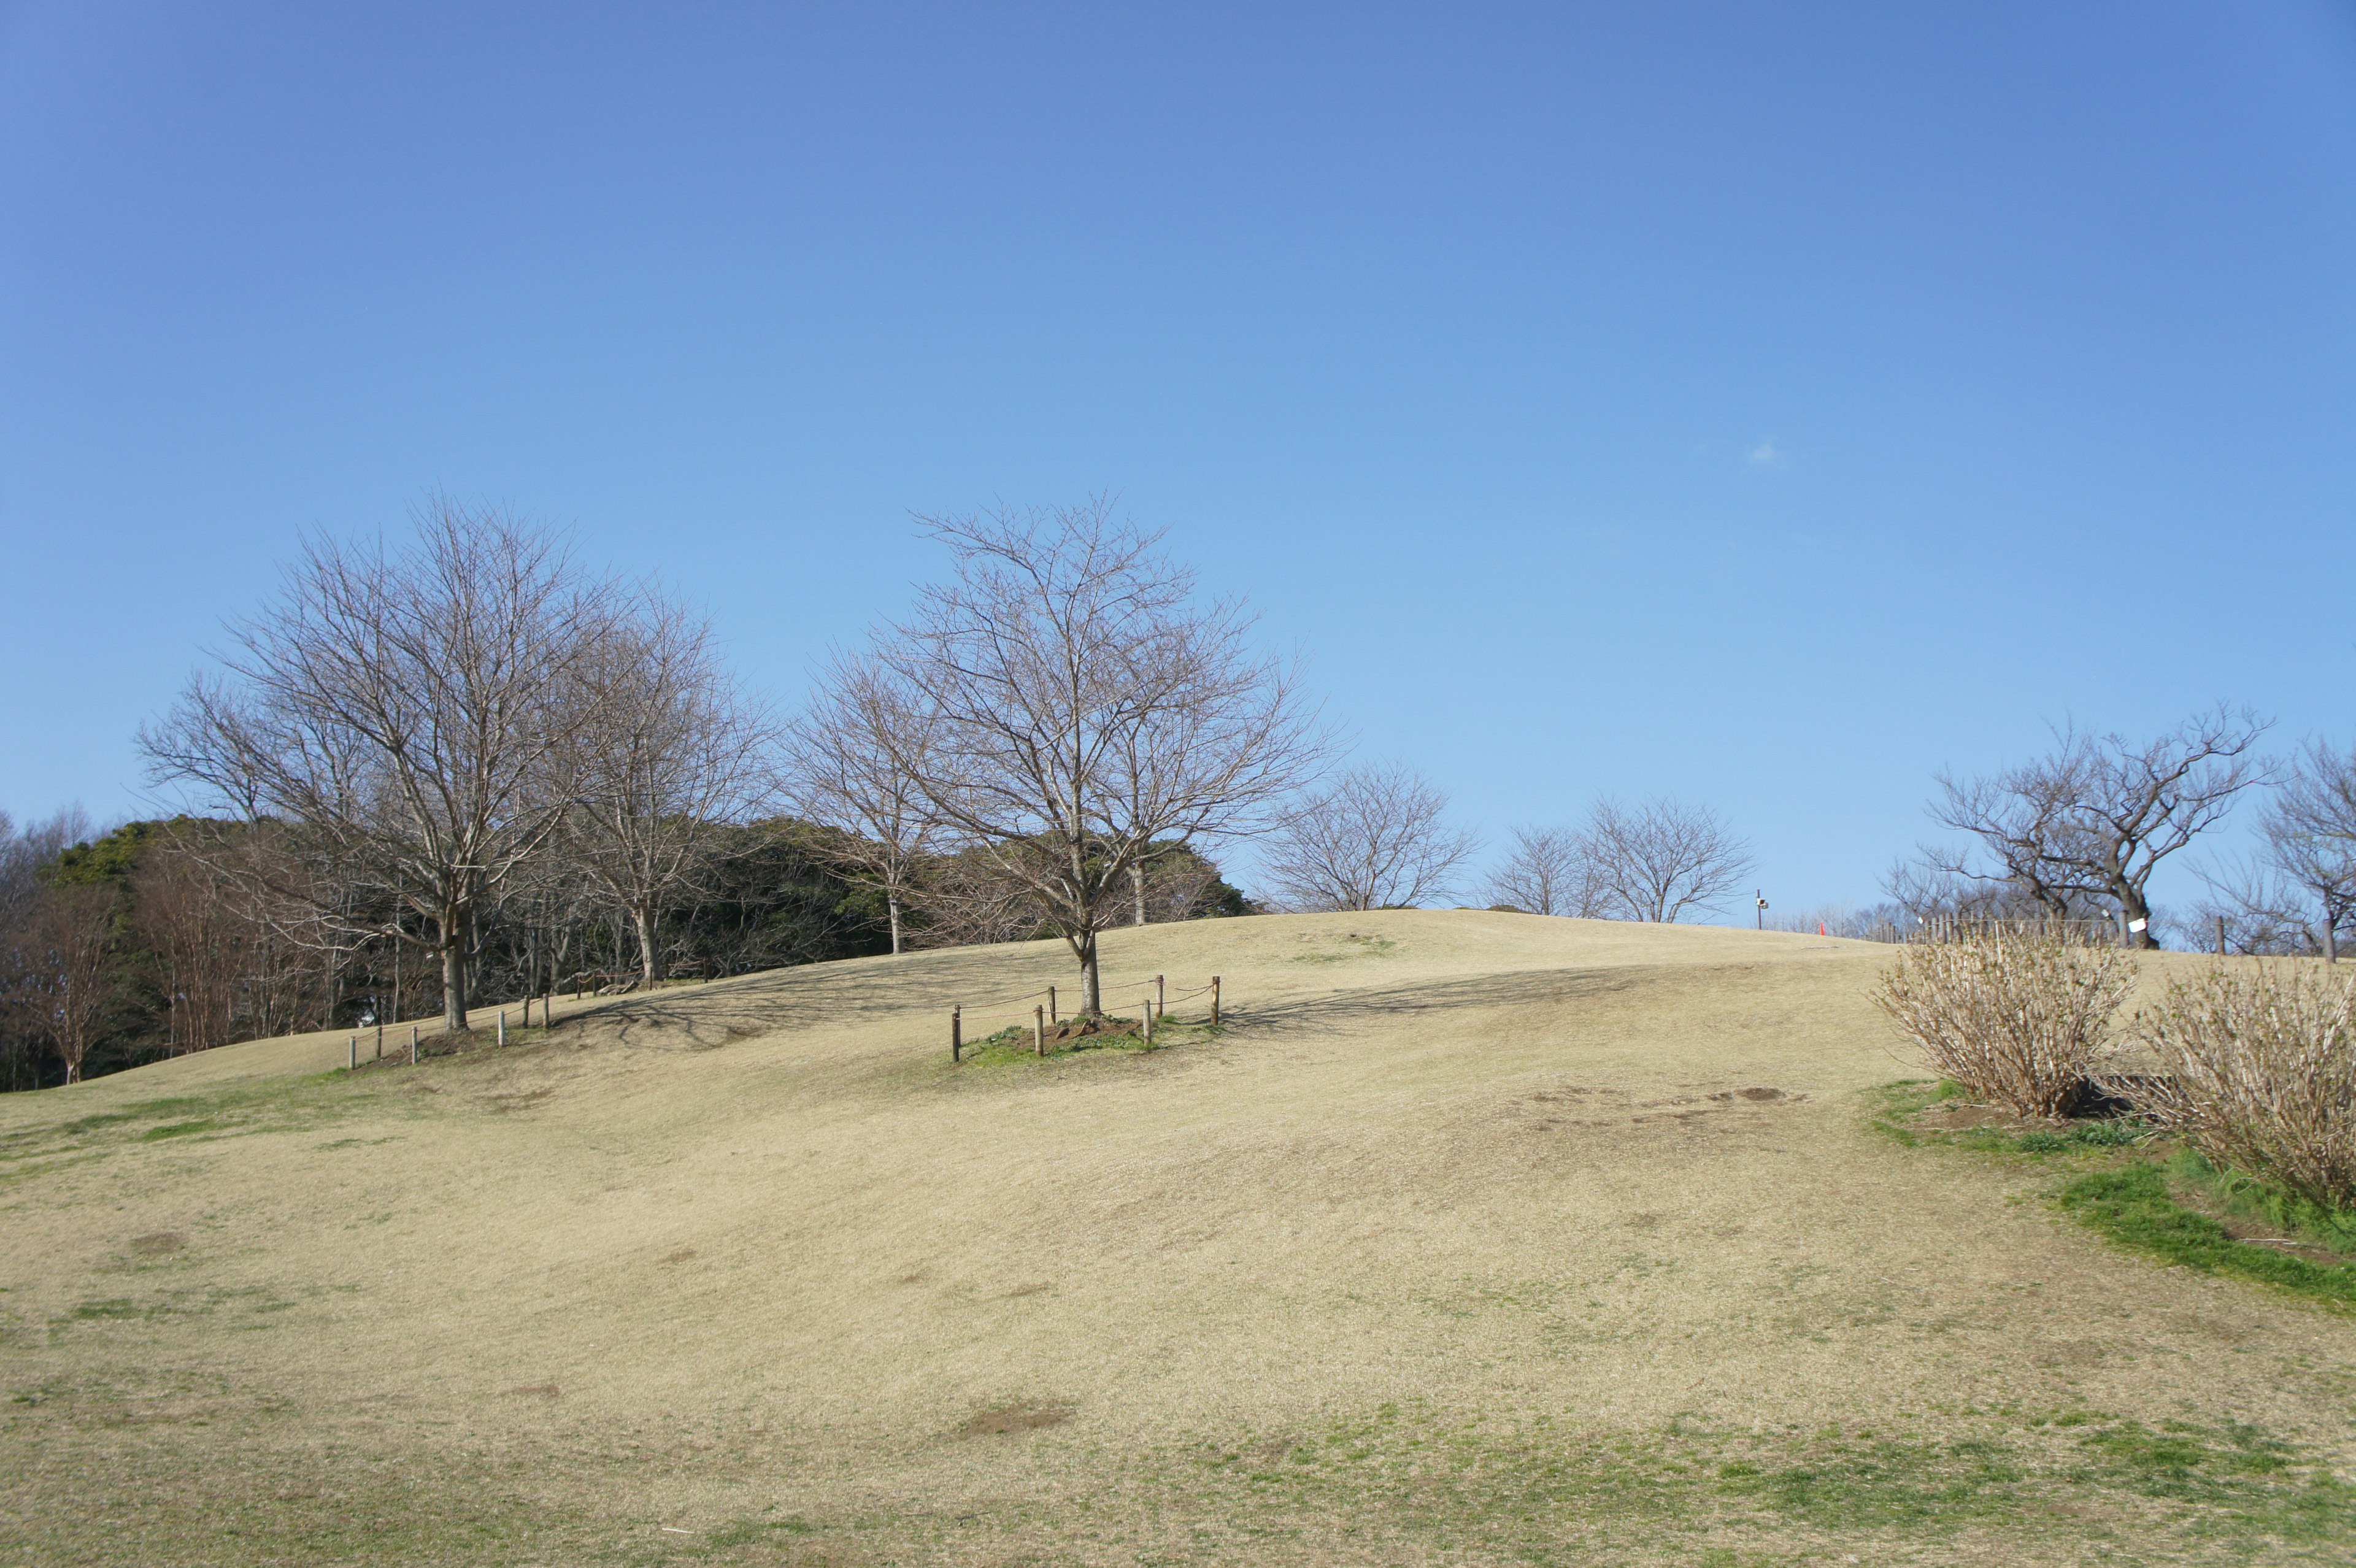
(2019, 1018)
(2258, 1074)
(1377, 839)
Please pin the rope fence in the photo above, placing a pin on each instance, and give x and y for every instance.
(1153, 998)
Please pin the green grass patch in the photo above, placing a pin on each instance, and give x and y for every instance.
(179, 1129)
(2247, 1198)
(1900, 1103)
(2133, 1206)
(2135, 1196)
(1395, 1484)
(296, 1104)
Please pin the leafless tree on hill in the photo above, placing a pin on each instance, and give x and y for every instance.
(1658, 859)
(1547, 871)
(405, 718)
(1377, 839)
(676, 751)
(2090, 820)
(843, 771)
(2300, 893)
(1075, 705)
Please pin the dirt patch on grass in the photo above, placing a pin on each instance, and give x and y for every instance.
(1009, 1418)
(157, 1243)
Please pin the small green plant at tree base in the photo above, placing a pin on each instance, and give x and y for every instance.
(2019, 1018)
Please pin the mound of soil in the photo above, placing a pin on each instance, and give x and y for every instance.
(1088, 1028)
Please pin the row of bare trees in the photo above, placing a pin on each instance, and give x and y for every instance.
(408, 740)
(1050, 740)
(1658, 859)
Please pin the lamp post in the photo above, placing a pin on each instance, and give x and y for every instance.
(1762, 896)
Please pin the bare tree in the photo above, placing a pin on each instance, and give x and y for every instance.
(1377, 839)
(2094, 817)
(403, 717)
(2298, 894)
(1660, 858)
(674, 754)
(1077, 705)
(62, 976)
(26, 1011)
(2310, 833)
(187, 916)
(1547, 871)
(844, 770)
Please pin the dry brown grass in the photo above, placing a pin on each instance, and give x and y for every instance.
(2258, 1072)
(2016, 1018)
(1475, 1238)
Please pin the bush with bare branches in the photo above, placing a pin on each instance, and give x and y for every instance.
(2258, 1074)
(2020, 1018)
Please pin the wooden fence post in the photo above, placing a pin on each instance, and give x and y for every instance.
(412, 1045)
(957, 1033)
(1038, 1029)
(2221, 936)
(1161, 995)
(1148, 1020)
(354, 1065)
(379, 1040)
(1215, 1001)
(503, 1025)
(1051, 1006)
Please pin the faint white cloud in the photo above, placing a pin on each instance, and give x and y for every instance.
(1764, 454)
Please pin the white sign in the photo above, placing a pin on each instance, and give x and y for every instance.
(2138, 925)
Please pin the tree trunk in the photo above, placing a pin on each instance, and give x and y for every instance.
(644, 919)
(1091, 988)
(1136, 880)
(453, 970)
(892, 903)
(2132, 908)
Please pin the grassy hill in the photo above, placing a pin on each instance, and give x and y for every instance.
(1472, 1238)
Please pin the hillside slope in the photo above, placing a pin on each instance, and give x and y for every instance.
(1473, 1237)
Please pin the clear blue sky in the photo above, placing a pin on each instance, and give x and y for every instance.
(1767, 404)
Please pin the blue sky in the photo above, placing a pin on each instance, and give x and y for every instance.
(1768, 405)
